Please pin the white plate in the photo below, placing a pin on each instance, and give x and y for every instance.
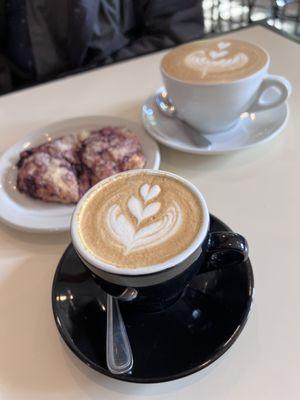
(252, 129)
(22, 212)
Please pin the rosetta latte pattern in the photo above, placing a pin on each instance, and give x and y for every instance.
(132, 236)
(215, 61)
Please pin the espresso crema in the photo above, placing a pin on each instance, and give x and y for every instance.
(139, 220)
(214, 61)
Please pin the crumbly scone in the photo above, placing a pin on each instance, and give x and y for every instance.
(48, 178)
(63, 169)
(109, 151)
(63, 147)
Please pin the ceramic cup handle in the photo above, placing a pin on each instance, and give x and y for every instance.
(281, 84)
(225, 249)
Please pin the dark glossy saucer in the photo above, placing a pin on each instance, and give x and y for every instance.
(166, 345)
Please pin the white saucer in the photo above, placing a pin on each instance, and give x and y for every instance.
(22, 212)
(252, 129)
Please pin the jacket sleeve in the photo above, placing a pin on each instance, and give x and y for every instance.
(162, 24)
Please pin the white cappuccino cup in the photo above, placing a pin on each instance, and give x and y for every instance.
(211, 83)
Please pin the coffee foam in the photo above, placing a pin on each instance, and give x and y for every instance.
(214, 61)
(141, 220)
(199, 61)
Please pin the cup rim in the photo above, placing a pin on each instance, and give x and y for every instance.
(263, 68)
(146, 270)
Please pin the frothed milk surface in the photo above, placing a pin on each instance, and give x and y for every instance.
(214, 61)
(139, 220)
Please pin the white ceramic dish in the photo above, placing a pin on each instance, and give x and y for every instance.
(251, 130)
(22, 212)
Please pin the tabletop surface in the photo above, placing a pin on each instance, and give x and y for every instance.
(255, 191)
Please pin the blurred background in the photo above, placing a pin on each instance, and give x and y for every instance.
(226, 15)
(37, 46)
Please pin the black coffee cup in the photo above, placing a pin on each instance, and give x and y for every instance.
(156, 289)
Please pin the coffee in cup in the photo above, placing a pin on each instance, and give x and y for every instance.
(214, 61)
(149, 230)
(212, 82)
(141, 220)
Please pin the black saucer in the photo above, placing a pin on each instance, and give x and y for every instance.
(167, 345)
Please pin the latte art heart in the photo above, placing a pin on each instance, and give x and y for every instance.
(148, 192)
(133, 238)
(136, 208)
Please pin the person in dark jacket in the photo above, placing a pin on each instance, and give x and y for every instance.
(42, 39)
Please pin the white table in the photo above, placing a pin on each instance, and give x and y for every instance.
(256, 192)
